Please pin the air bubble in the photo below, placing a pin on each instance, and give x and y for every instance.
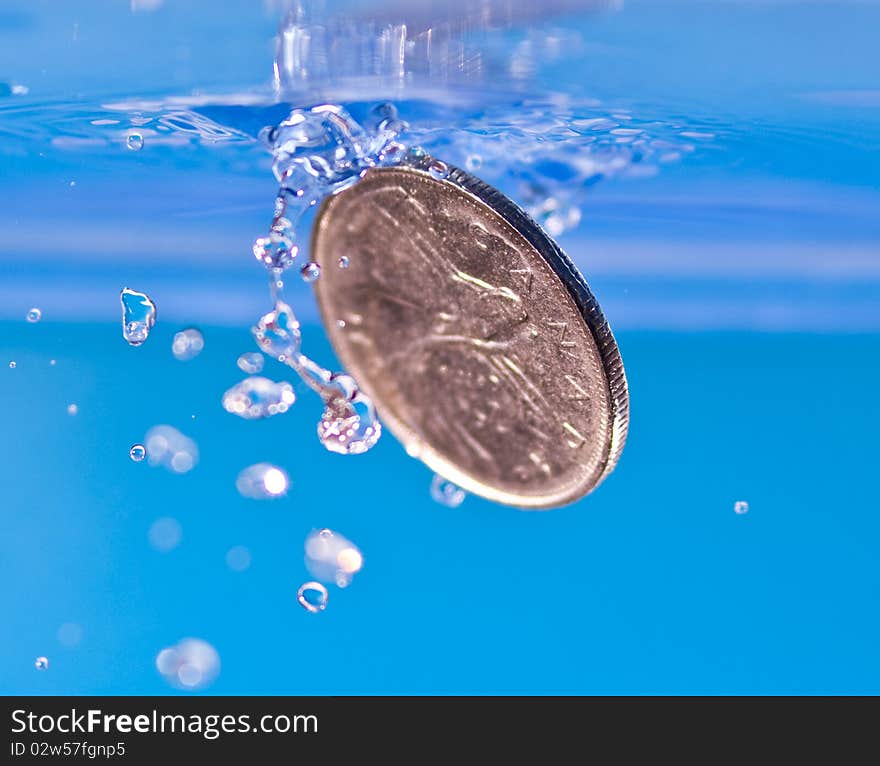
(13, 364)
(135, 142)
(446, 493)
(262, 481)
(343, 262)
(72, 409)
(473, 162)
(165, 534)
(251, 363)
(740, 507)
(332, 558)
(191, 664)
(169, 448)
(34, 315)
(310, 272)
(41, 663)
(438, 170)
(312, 596)
(138, 316)
(238, 558)
(137, 452)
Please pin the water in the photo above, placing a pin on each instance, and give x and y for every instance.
(332, 557)
(733, 243)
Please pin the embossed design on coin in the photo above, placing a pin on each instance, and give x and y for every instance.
(479, 341)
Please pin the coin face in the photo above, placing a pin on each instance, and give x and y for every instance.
(479, 341)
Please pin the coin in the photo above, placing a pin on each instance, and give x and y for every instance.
(478, 339)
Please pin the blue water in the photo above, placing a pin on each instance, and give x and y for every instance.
(738, 264)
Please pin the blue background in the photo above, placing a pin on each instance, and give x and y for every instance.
(743, 284)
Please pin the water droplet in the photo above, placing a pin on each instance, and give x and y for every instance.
(72, 409)
(69, 634)
(740, 507)
(135, 142)
(332, 558)
(257, 397)
(13, 365)
(138, 316)
(187, 344)
(190, 664)
(52, 362)
(41, 663)
(238, 558)
(277, 333)
(310, 272)
(446, 493)
(165, 534)
(137, 452)
(438, 170)
(343, 262)
(340, 323)
(169, 448)
(312, 596)
(251, 362)
(262, 481)
(34, 315)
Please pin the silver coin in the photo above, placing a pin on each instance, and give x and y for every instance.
(477, 338)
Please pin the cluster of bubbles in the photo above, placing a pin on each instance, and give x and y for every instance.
(191, 664)
(317, 151)
(187, 344)
(446, 493)
(262, 481)
(169, 448)
(256, 397)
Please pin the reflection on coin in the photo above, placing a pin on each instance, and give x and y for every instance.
(479, 341)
